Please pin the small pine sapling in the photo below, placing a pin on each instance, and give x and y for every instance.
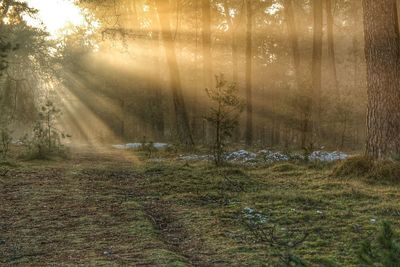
(223, 115)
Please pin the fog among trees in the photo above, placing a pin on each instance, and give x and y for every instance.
(138, 69)
(214, 102)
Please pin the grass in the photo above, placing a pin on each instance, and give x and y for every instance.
(362, 167)
(114, 209)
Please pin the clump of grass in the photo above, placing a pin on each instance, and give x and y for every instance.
(383, 170)
(284, 167)
(235, 172)
(386, 170)
(355, 166)
(8, 163)
(157, 169)
(319, 165)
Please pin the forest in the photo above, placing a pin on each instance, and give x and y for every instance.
(200, 133)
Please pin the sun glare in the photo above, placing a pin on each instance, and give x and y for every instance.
(56, 14)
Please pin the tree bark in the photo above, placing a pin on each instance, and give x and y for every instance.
(182, 120)
(331, 44)
(234, 44)
(302, 87)
(196, 115)
(249, 55)
(206, 36)
(293, 38)
(158, 122)
(316, 64)
(382, 52)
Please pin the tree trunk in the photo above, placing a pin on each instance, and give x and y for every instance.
(293, 38)
(158, 119)
(382, 52)
(316, 64)
(249, 55)
(235, 55)
(234, 45)
(182, 120)
(195, 105)
(331, 44)
(305, 122)
(206, 35)
(398, 12)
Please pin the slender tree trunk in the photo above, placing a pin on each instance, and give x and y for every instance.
(233, 25)
(158, 119)
(317, 51)
(316, 65)
(331, 44)
(181, 115)
(235, 55)
(301, 85)
(382, 52)
(293, 38)
(195, 103)
(206, 35)
(234, 44)
(249, 55)
(207, 55)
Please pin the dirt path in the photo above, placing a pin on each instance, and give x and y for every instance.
(85, 212)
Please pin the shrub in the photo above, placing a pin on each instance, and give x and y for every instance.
(5, 141)
(46, 140)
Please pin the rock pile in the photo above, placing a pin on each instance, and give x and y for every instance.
(241, 155)
(136, 146)
(328, 156)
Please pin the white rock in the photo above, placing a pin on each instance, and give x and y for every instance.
(271, 156)
(195, 157)
(328, 156)
(241, 155)
(158, 146)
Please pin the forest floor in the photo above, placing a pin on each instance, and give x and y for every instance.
(117, 208)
